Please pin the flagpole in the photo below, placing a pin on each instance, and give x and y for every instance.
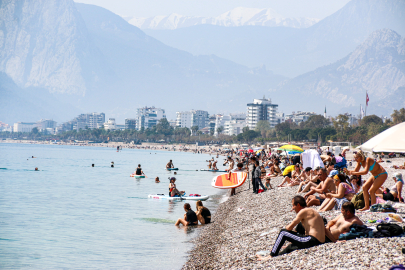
(365, 114)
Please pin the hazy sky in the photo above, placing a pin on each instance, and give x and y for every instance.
(212, 8)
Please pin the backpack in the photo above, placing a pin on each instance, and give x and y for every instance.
(390, 229)
(358, 200)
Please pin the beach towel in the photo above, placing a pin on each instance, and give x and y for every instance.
(311, 158)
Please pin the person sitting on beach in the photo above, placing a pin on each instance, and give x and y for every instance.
(173, 191)
(344, 194)
(275, 169)
(190, 217)
(312, 180)
(214, 166)
(380, 160)
(376, 180)
(139, 170)
(296, 176)
(395, 192)
(341, 224)
(326, 185)
(356, 182)
(169, 165)
(287, 174)
(157, 180)
(203, 214)
(315, 231)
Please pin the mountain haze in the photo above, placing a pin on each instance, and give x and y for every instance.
(287, 51)
(239, 16)
(376, 66)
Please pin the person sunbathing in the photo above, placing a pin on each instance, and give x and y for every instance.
(296, 176)
(287, 174)
(395, 192)
(312, 181)
(344, 194)
(315, 231)
(341, 224)
(324, 187)
(356, 182)
(398, 167)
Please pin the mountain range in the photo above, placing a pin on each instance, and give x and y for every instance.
(289, 51)
(60, 58)
(239, 16)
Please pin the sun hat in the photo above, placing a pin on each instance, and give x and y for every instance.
(333, 173)
(398, 175)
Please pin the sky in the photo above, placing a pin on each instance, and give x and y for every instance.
(212, 8)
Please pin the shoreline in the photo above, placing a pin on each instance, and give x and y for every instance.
(248, 223)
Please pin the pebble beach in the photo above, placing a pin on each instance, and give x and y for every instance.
(249, 223)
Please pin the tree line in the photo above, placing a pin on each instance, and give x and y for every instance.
(316, 128)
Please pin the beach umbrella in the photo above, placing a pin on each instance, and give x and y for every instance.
(290, 147)
(390, 140)
(250, 150)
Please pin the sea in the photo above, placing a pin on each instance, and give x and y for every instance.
(70, 215)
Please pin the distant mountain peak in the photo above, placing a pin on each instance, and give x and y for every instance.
(238, 16)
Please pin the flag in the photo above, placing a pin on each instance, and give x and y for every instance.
(367, 99)
(361, 111)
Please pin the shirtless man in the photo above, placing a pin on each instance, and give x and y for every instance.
(169, 165)
(341, 224)
(214, 166)
(315, 231)
(327, 185)
(327, 157)
(311, 179)
(209, 164)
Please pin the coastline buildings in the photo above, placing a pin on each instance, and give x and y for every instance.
(298, 117)
(259, 110)
(42, 126)
(24, 126)
(130, 123)
(147, 117)
(192, 118)
(232, 124)
(83, 121)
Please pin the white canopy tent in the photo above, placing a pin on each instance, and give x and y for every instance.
(390, 140)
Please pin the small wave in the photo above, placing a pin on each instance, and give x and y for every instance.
(158, 220)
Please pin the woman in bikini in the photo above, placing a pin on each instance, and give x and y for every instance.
(379, 175)
(344, 194)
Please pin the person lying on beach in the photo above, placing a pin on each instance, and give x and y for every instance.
(344, 194)
(341, 224)
(398, 167)
(315, 231)
(376, 180)
(203, 214)
(395, 192)
(327, 157)
(190, 217)
(326, 185)
(312, 180)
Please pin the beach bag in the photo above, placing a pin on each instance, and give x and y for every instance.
(358, 201)
(390, 229)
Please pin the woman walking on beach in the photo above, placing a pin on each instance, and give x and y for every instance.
(379, 175)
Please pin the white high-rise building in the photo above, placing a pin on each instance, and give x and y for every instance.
(45, 124)
(261, 109)
(149, 117)
(24, 126)
(233, 124)
(191, 118)
(110, 124)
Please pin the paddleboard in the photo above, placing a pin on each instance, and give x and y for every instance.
(172, 169)
(209, 170)
(190, 198)
(237, 179)
(137, 176)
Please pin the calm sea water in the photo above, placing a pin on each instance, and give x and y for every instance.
(73, 216)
